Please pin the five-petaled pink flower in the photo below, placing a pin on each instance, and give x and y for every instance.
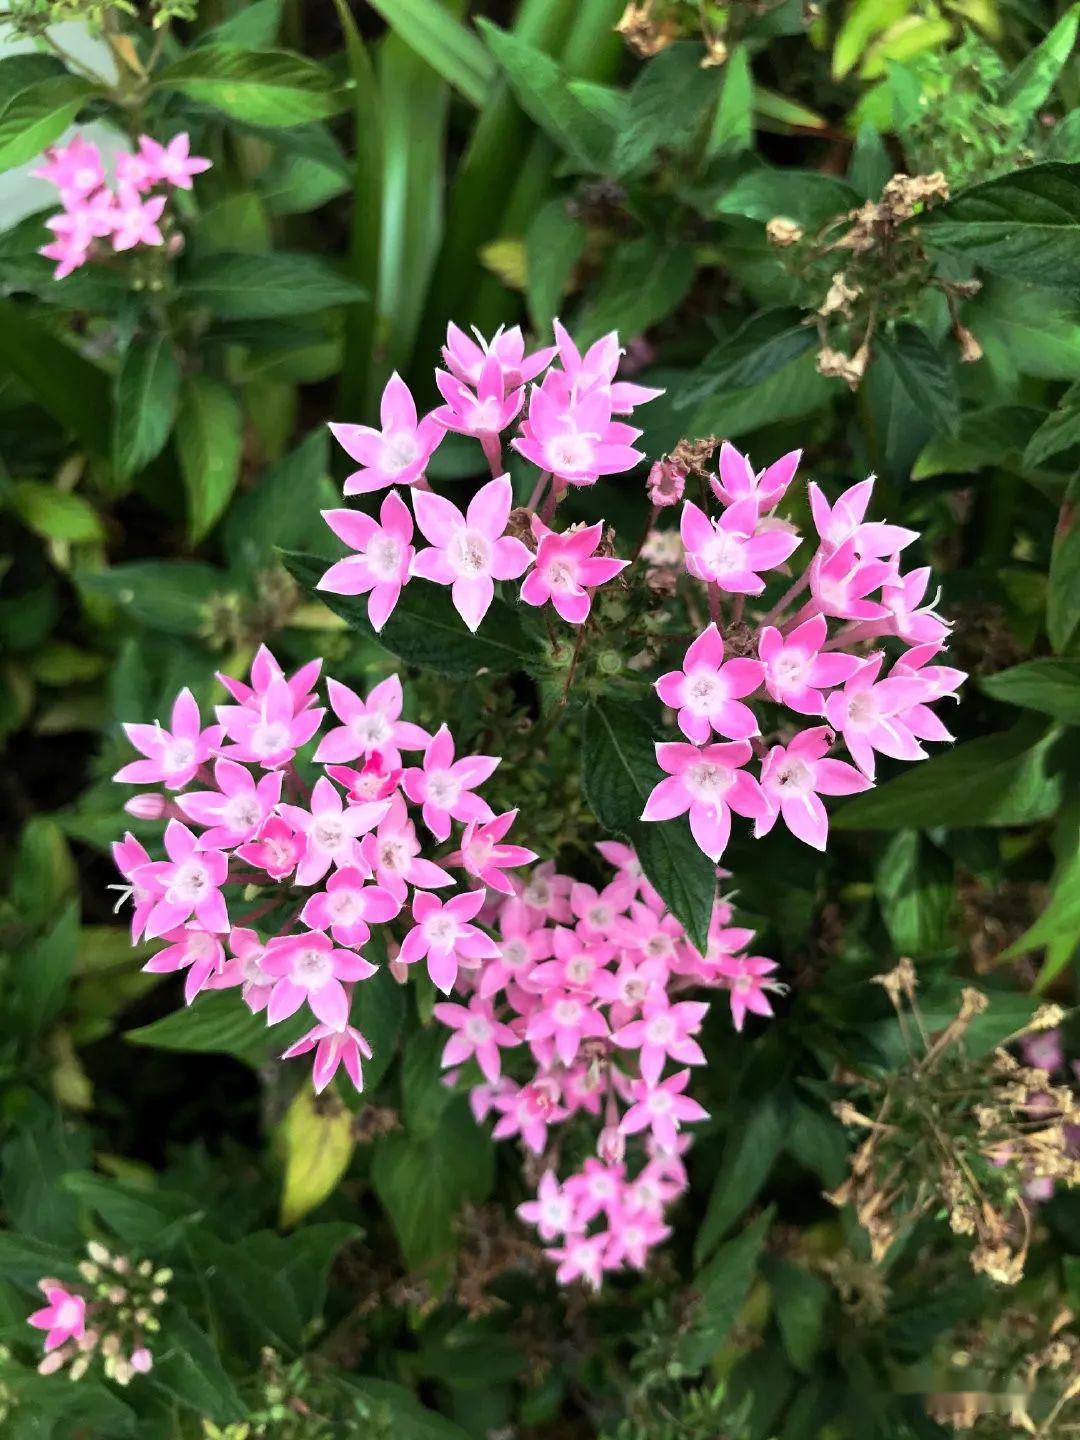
(729, 551)
(747, 978)
(737, 480)
(269, 727)
(385, 552)
(310, 967)
(193, 949)
(567, 568)
(442, 933)
(846, 520)
(566, 1018)
(371, 726)
(570, 432)
(332, 830)
(662, 1109)
(792, 779)
(466, 358)
(662, 1030)
(477, 1032)
(237, 809)
(393, 852)
(552, 1212)
(172, 163)
(64, 1317)
(795, 669)
(398, 453)
(75, 169)
(333, 1046)
(172, 757)
(444, 786)
(347, 904)
(709, 783)
(707, 693)
(135, 219)
(484, 411)
(871, 714)
(483, 855)
(188, 883)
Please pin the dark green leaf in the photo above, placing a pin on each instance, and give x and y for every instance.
(255, 26)
(1063, 596)
(762, 346)
(721, 1288)
(262, 87)
(282, 507)
(139, 1215)
(914, 882)
(923, 373)
(800, 1300)
(42, 972)
(667, 105)
(1034, 78)
(39, 113)
(166, 595)
(805, 196)
(216, 1024)
(449, 47)
(187, 1368)
(393, 1410)
(147, 385)
(753, 1143)
(1059, 431)
(263, 287)
(554, 244)
(73, 390)
(1050, 685)
(209, 442)
(644, 282)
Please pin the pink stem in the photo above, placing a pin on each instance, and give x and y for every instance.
(538, 490)
(785, 600)
(492, 447)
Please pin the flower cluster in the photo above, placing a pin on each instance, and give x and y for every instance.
(112, 1316)
(811, 669)
(569, 432)
(127, 214)
(591, 983)
(326, 861)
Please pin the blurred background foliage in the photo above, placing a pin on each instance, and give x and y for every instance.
(716, 181)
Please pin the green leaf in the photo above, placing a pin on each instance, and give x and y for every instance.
(1059, 431)
(805, 196)
(817, 1141)
(1034, 78)
(991, 436)
(425, 630)
(147, 386)
(73, 390)
(209, 442)
(39, 113)
(216, 1024)
(450, 48)
(721, 1288)
(554, 243)
(800, 1300)
(667, 104)
(732, 127)
(863, 21)
(283, 506)
(316, 1138)
(761, 347)
(871, 166)
(41, 972)
(753, 1144)
(1025, 330)
(1008, 779)
(56, 514)
(395, 1411)
(642, 284)
(923, 373)
(1057, 930)
(619, 772)
(42, 873)
(255, 26)
(794, 390)
(261, 87)
(187, 1369)
(166, 595)
(265, 287)
(1050, 685)
(1063, 596)
(1025, 224)
(139, 1214)
(914, 883)
(378, 1012)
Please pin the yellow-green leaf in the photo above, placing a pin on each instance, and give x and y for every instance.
(317, 1142)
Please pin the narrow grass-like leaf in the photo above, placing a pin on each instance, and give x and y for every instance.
(444, 43)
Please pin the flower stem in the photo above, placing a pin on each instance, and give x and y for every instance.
(492, 447)
(538, 490)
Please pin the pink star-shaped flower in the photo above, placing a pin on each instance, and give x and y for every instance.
(444, 786)
(793, 778)
(385, 552)
(398, 453)
(706, 692)
(567, 568)
(708, 783)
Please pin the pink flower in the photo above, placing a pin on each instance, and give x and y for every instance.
(845, 521)
(277, 850)
(189, 883)
(706, 692)
(239, 807)
(1043, 1050)
(75, 169)
(598, 366)
(485, 411)
(398, 453)
(598, 910)
(271, 726)
(442, 933)
(664, 1030)
(371, 726)
(393, 853)
(310, 968)
(566, 568)
(581, 1258)
(840, 582)
(466, 358)
(913, 621)
(483, 856)
(632, 1237)
(171, 163)
(444, 786)
(194, 949)
(333, 1046)
(347, 904)
(245, 969)
(737, 480)
(132, 861)
(477, 1032)
(172, 757)
(265, 670)
(64, 1317)
(69, 250)
(566, 1018)
(746, 976)
(708, 783)
(332, 830)
(522, 944)
(871, 715)
(135, 219)
(796, 671)
(470, 552)
(375, 781)
(942, 681)
(528, 1111)
(662, 1109)
(552, 1212)
(385, 552)
(728, 552)
(571, 433)
(793, 778)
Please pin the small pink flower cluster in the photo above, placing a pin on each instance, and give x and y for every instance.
(589, 980)
(568, 432)
(337, 857)
(128, 214)
(853, 577)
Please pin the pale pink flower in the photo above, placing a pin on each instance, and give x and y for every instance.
(567, 568)
(871, 714)
(477, 1032)
(709, 783)
(470, 552)
(135, 219)
(142, 1362)
(707, 693)
(552, 1212)
(64, 1317)
(914, 622)
(269, 728)
(728, 551)
(577, 964)
(442, 933)
(265, 671)
(195, 950)
(665, 485)
(566, 1018)
(398, 453)
(385, 552)
(795, 669)
(599, 366)
(333, 1046)
(522, 944)
(663, 1031)
(189, 883)
(171, 163)
(237, 809)
(332, 830)
(941, 680)
(75, 169)
(571, 432)
(484, 856)
(347, 904)
(841, 582)
(392, 852)
(662, 1109)
(747, 977)
(173, 756)
(309, 967)
(370, 726)
(793, 778)
(69, 250)
(148, 806)
(844, 521)
(132, 862)
(528, 1111)
(581, 1258)
(598, 910)
(737, 481)
(596, 1188)
(444, 786)
(245, 969)
(482, 411)
(466, 358)
(277, 850)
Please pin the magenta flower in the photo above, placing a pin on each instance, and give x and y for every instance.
(245, 969)
(482, 855)
(277, 850)
(665, 485)
(442, 933)
(64, 1317)
(476, 1032)
(581, 1258)
(268, 729)
(172, 757)
(706, 692)
(597, 910)
(135, 219)
(871, 714)
(171, 163)
(481, 412)
(632, 1236)
(793, 778)
(846, 520)
(398, 453)
(566, 1018)
(265, 670)
(237, 809)
(393, 854)
(662, 1109)
(598, 366)
(728, 551)
(746, 976)
(527, 1111)
(371, 726)
(375, 781)
(132, 861)
(709, 783)
(664, 1030)
(566, 568)
(332, 830)
(333, 1046)
(470, 552)
(466, 358)
(75, 169)
(914, 622)
(571, 432)
(311, 968)
(552, 1212)
(444, 786)
(347, 904)
(941, 681)
(189, 883)
(385, 552)
(522, 944)
(795, 670)
(737, 480)
(841, 581)
(195, 950)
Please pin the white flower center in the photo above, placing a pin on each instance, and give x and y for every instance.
(312, 968)
(443, 789)
(703, 691)
(393, 855)
(789, 669)
(707, 781)
(567, 1012)
(477, 1029)
(561, 575)
(328, 834)
(190, 883)
(241, 813)
(469, 552)
(537, 894)
(178, 755)
(384, 557)
(515, 954)
(723, 554)
(346, 906)
(252, 971)
(659, 1030)
(658, 1102)
(573, 452)
(862, 709)
(795, 777)
(269, 737)
(373, 729)
(68, 1314)
(399, 451)
(579, 969)
(441, 931)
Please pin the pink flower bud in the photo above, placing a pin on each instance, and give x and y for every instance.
(147, 806)
(611, 1145)
(665, 484)
(399, 970)
(142, 1360)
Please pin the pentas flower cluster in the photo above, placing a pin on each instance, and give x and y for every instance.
(126, 214)
(589, 987)
(323, 862)
(567, 430)
(817, 660)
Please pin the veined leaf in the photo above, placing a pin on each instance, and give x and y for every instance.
(1034, 78)
(235, 286)
(763, 345)
(1049, 685)
(1059, 431)
(72, 389)
(147, 387)
(316, 1137)
(1063, 596)
(209, 441)
(263, 87)
(38, 114)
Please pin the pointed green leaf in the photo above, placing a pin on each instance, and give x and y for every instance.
(147, 386)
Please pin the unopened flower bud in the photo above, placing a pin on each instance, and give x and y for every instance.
(163, 1276)
(79, 1367)
(116, 1294)
(158, 1296)
(98, 1252)
(147, 806)
(52, 1363)
(665, 484)
(611, 1145)
(142, 1361)
(89, 1271)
